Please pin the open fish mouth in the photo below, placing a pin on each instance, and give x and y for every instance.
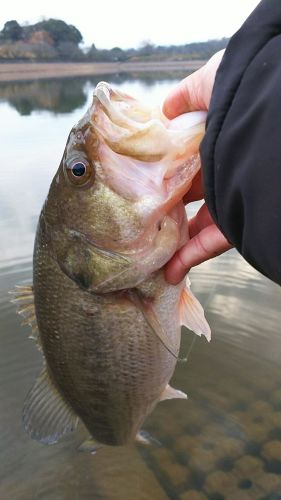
(124, 123)
(144, 153)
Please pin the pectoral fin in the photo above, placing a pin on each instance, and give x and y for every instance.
(151, 318)
(46, 415)
(192, 314)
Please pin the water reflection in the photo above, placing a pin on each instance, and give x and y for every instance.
(58, 96)
(224, 442)
(33, 145)
(64, 95)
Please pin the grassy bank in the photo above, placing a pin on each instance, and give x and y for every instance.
(30, 71)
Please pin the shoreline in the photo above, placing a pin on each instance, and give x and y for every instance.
(24, 71)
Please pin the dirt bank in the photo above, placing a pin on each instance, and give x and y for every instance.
(31, 71)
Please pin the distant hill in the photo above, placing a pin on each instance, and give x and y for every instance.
(55, 40)
(51, 39)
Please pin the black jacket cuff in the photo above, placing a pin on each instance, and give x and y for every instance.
(241, 150)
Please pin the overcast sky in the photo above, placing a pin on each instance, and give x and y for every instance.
(123, 23)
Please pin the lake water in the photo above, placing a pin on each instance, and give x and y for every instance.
(224, 441)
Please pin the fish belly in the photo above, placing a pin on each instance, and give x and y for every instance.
(101, 353)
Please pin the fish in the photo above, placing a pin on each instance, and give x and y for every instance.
(107, 323)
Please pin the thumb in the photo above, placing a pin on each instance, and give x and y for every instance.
(183, 97)
(194, 92)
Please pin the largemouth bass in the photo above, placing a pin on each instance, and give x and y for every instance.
(105, 319)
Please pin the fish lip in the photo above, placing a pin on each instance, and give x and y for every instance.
(102, 92)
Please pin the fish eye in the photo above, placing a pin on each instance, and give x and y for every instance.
(78, 169)
(80, 173)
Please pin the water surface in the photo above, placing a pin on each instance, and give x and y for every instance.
(224, 442)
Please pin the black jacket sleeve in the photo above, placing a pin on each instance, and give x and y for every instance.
(241, 150)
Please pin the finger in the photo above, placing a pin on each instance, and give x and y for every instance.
(195, 193)
(194, 92)
(207, 244)
(201, 220)
(183, 97)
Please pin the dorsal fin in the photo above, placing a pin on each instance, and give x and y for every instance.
(24, 299)
(46, 415)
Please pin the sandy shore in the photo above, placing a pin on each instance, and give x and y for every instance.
(30, 71)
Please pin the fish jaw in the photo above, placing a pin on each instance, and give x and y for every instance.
(125, 225)
(149, 160)
(145, 156)
(143, 133)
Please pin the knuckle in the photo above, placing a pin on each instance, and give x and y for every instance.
(201, 246)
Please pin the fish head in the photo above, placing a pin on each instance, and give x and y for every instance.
(114, 211)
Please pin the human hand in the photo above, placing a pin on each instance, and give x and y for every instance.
(206, 240)
(194, 92)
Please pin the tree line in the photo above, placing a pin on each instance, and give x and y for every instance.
(55, 40)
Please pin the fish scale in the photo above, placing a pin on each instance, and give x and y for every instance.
(94, 347)
(108, 324)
